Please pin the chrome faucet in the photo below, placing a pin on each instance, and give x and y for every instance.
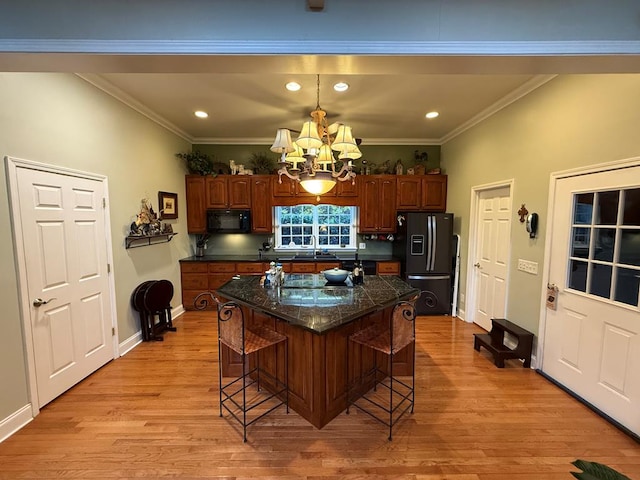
(314, 243)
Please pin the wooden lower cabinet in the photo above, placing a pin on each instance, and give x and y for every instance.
(388, 268)
(317, 364)
(194, 280)
(198, 277)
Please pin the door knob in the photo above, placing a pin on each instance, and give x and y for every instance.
(477, 264)
(38, 302)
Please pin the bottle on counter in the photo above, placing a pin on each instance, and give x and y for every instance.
(356, 275)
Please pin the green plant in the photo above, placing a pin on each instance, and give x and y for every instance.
(261, 163)
(197, 162)
(596, 471)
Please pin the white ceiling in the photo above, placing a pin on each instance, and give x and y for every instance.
(247, 108)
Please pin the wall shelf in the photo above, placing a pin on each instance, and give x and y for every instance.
(135, 241)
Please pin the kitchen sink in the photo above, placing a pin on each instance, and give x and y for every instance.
(315, 256)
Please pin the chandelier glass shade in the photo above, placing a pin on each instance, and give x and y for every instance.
(310, 159)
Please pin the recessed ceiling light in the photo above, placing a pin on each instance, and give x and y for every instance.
(341, 87)
(293, 86)
(200, 114)
(432, 114)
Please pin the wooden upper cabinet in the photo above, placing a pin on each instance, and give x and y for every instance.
(408, 193)
(434, 193)
(196, 204)
(283, 187)
(261, 210)
(227, 191)
(377, 204)
(421, 192)
(348, 188)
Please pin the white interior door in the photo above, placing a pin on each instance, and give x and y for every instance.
(62, 225)
(592, 342)
(491, 257)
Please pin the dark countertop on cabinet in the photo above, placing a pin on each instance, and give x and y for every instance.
(318, 309)
(286, 257)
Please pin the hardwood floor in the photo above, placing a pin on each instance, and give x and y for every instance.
(154, 414)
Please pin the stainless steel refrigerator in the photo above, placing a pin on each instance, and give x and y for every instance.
(425, 248)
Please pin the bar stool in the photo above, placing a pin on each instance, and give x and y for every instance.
(245, 341)
(388, 339)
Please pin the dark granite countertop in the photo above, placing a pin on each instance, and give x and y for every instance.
(286, 257)
(320, 308)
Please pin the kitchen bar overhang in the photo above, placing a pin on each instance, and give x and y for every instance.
(307, 301)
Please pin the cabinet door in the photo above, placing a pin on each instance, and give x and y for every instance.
(434, 193)
(409, 193)
(261, 211)
(251, 268)
(239, 191)
(369, 204)
(388, 268)
(217, 192)
(387, 205)
(322, 266)
(196, 204)
(284, 188)
(347, 188)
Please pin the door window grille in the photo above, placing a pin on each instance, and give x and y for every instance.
(604, 256)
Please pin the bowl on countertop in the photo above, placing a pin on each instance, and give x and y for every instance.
(335, 275)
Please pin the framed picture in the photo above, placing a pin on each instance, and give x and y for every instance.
(168, 205)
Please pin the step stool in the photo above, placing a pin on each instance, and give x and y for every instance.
(494, 342)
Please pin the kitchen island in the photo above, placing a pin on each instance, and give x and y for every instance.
(317, 318)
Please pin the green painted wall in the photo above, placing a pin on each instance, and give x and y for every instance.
(60, 119)
(571, 121)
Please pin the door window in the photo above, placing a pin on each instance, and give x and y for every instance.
(604, 257)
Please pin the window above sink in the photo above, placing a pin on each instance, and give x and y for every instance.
(315, 231)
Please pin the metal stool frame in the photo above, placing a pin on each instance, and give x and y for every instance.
(246, 341)
(388, 340)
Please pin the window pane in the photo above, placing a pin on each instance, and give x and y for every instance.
(578, 275)
(583, 209)
(603, 245)
(627, 286)
(631, 214)
(580, 245)
(630, 247)
(607, 208)
(600, 280)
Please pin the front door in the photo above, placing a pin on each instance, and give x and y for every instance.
(491, 258)
(60, 223)
(592, 339)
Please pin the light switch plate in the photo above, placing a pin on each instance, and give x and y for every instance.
(528, 266)
(362, 246)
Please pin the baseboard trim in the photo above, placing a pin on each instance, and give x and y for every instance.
(136, 339)
(15, 422)
(612, 421)
(460, 314)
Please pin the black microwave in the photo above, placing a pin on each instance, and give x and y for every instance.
(229, 221)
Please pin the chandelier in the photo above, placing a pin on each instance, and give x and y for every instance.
(310, 159)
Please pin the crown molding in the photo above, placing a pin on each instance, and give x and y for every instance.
(505, 101)
(110, 89)
(269, 141)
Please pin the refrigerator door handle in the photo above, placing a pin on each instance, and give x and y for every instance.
(427, 277)
(434, 236)
(429, 243)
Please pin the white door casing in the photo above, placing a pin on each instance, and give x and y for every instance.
(489, 247)
(591, 344)
(62, 244)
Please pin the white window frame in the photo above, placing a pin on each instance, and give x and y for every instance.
(315, 232)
